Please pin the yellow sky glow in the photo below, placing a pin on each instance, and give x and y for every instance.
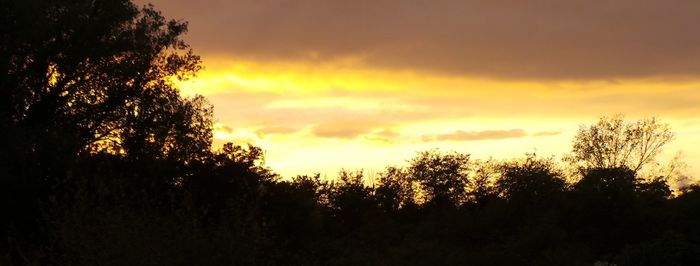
(320, 117)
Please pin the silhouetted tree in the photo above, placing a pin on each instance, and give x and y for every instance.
(295, 219)
(84, 77)
(349, 198)
(395, 189)
(613, 142)
(86, 67)
(236, 180)
(443, 176)
(613, 208)
(612, 184)
(483, 187)
(531, 180)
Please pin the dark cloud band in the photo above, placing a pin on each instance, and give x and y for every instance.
(537, 39)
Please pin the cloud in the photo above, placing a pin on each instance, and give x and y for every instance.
(224, 129)
(461, 135)
(386, 136)
(224, 133)
(536, 39)
(387, 133)
(545, 133)
(270, 130)
(344, 129)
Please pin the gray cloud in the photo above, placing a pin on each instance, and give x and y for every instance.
(536, 39)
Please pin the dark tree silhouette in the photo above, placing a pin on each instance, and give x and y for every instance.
(79, 78)
(395, 189)
(349, 198)
(533, 180)
(443, 177)
(86, 67)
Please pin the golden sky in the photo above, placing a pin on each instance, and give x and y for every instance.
(323, 85)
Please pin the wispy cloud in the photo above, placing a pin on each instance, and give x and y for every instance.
(545, 133)
(461, 135)
(344, 129)
(272, 130)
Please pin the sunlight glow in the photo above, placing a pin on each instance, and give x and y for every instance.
(361, 117)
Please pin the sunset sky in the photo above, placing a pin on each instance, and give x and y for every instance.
(323, 85)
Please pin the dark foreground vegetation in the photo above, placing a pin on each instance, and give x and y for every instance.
(102, 162)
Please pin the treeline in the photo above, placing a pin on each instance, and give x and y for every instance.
(441, 209)
(103, 162)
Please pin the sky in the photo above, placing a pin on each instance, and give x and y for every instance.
(323, 85)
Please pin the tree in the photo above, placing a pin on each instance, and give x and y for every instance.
(483, 187)
(85, 70)
(443, 176)
(613, 143)
(236, 178)
(610, 184)
(395, 189)
(82, 78)
(531, 180)
(350, 200)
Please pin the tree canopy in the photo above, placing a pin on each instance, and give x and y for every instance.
(96, 71)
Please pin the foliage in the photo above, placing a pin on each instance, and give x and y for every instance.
(531, 180)
(396, 189)
(443, 177)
